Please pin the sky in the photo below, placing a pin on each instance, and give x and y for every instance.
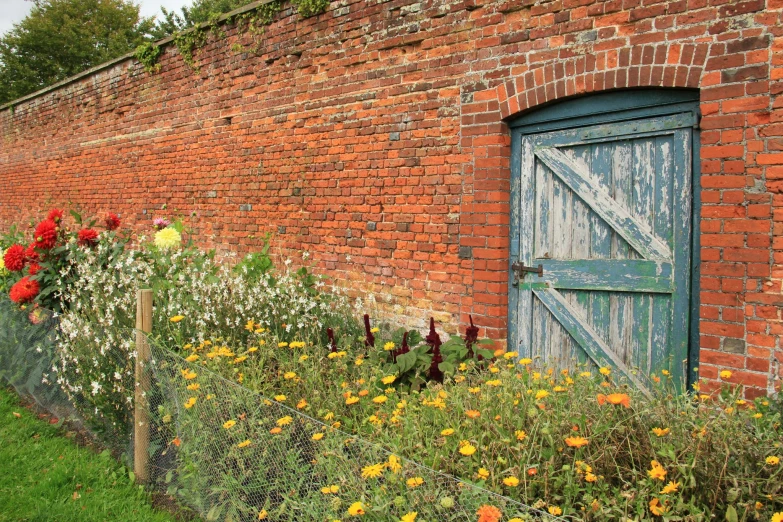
(13, 11)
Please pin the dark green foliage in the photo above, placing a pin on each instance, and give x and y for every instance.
(201, 11)
(61, 38)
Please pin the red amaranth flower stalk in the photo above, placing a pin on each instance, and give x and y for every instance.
(369, 340)
(471, 336)
(434, 339)
(332, 344)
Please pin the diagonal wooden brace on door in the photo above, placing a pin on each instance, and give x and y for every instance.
(578, 179)
(587, 338)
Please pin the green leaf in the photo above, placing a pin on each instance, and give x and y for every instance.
(406, 361)
(731, 514)
(132, 476)
(447, 368)
(76, 217)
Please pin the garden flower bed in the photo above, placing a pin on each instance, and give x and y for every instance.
(270, 401)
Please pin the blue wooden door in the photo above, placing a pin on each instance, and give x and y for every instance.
(605, 212)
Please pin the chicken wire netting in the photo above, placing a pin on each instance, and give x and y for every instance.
(222, 449)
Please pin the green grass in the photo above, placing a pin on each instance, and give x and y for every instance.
(47, 477)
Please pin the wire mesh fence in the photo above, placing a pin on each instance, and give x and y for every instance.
(222, 449)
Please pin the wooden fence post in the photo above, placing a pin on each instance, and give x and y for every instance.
(141, 415)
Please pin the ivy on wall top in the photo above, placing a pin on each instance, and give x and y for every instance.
(251, 19)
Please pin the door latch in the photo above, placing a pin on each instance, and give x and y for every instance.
(520, 270)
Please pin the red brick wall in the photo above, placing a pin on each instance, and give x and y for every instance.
(373, 136)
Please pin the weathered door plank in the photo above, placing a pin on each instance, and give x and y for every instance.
(579, 180)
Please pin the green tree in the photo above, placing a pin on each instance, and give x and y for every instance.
(60, 38)
(201, 11)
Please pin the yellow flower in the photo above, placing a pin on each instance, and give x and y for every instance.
(301, 404)
(757, 415)
(666, 372)
(284, 421)
(511, 482)
(280, 398)
(589, 477)
(192, 358)
(467, 450)
(372, 471)
(661, 432)
(409, 517)
(317, 436)
(671, 487)
(210, 396)
(330, 490)
(482, 473)
(289, 375)
(772, 460)
(541, 394)
(777, 517)
(725, 374)
(262, 514)
(250, 326)
(190, 403)
(495, 383)
(576, 442)
(462, 367)
(357, 508)
(414, 482)
(559, 389)
(193, 387)
(447, 432)
(189, 375)
(585, 374)
(329, 416)
(167, 238)
(554, 510)
(656, 471)
(351, 400)
(521, 435)
(656, 508)
(394, 464)
(389, 379)
(276, 430)
(229, 424)
(244, 444)
(525, 361)
(359, 361)
(375, 330)
(176, 318)
(388, 346)
(474, 390)
(380, 399)
(303, 358)
(516, 519)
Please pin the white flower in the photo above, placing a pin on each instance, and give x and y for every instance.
(96, 387)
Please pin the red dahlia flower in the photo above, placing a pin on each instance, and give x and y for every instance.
(31, 253)
(55, 215)
(46, 234)
(24, 290)
(88, 237)
(34, 268)
(112, 221)
(14, 258)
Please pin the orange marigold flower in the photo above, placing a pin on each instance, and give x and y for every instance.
(488, 513)
(576, 442)
(656, 508)
(473, 414)
(616, 399)
(660, 432)
(656, 471)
